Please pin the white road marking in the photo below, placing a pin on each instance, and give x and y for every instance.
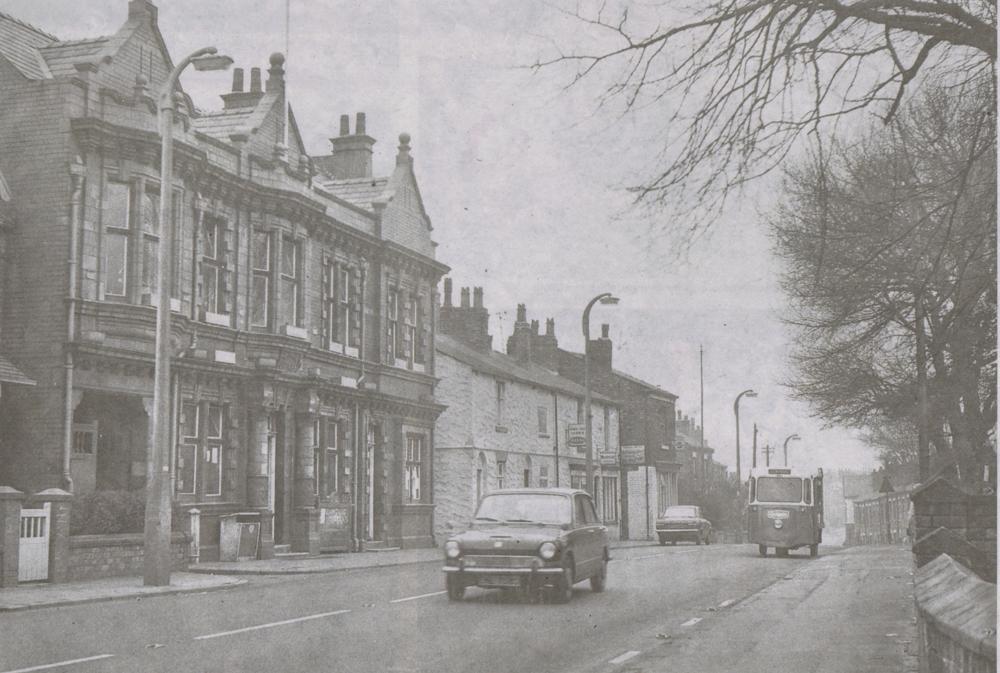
(692, 621)
(413, 598)
(726, 603)
(61, 663)
(622, 658)
(271, 624)
(686, 551)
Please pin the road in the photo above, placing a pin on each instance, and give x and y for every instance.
(692, 606)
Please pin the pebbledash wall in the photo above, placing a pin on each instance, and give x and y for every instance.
(304, 302)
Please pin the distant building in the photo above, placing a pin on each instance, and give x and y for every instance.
(698, 464)
(303, 298)
(506, 422)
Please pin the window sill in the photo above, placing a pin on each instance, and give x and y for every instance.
(220, 319)
(401, 364)
(228, 357)
(296, 332)
(544, 435)
(501, 428)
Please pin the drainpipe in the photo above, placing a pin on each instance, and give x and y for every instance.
(76, 171)
(555, 431)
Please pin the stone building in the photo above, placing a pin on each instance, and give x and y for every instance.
(647, 418)
(698, 465)
(506, 421)
(303, 298)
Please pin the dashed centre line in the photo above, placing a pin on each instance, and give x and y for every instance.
(622, 658)
(413, 598)
(59, 664)
(692, 621)
(726, 603)
(269, 625)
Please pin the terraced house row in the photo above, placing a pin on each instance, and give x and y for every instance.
(303, 298)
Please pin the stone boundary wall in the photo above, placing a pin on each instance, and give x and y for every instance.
(882, 519)
(98, 556)
(962, 525)
(956, 618)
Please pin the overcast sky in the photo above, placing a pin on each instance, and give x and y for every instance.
(523, 182)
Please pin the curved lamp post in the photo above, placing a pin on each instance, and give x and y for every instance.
(788, 439)
(604, 298)
(156, 540)
(749, 392)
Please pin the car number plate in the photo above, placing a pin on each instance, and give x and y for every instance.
(500, 581)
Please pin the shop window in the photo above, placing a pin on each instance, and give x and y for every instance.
(330, 457)
(212, 469)
(199, 451)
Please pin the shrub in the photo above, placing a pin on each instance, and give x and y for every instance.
(108, 512)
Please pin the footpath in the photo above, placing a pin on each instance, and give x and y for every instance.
(217, 576)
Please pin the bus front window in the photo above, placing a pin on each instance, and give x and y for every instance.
(779, 489)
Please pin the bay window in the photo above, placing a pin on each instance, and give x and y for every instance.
(291, 259)
(260, 283)
(215, 290)
(114, 258)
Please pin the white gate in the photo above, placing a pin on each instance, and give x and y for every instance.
(33, 554)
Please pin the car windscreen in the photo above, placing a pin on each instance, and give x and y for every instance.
(525, 507)
(779, 489)
(679, 511)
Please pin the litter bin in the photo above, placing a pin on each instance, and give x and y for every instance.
(239, 536)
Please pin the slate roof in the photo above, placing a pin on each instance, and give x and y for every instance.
(506, 367)
(222, 124)
(651, 387)
(11, 374)
(61, 56)
(361, 192)
(19, 44)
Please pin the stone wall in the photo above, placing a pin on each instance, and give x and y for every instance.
(946, 519)
(956, 619)
(96, 556)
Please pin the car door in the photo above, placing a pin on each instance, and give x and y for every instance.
(587, 535)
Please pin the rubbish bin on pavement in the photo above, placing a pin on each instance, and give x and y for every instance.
(239, 536)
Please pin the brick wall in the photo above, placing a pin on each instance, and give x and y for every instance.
(949, 520)
(97, 556)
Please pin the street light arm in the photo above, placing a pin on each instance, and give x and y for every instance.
(586, 314)
(167, 92)
(736, 403)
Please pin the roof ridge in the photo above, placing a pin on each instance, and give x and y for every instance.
(27, 25)
(77, 42)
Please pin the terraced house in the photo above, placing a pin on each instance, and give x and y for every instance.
(302, 295)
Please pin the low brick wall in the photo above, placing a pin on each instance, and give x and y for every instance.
(97, 556)
(956, 618)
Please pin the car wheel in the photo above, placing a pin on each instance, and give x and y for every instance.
(708, 537)
(564, 586)
(673, 542)
(814, 550)
(663, 540)
(781, 551)
(456, 590)
(762, 549)
(598, 581)
(698, 541)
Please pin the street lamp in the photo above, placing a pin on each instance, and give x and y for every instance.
(787, 439)
(156, 541)
(608, 299)
(736, 410)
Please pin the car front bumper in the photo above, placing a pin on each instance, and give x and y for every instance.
(479, 570)
(679, 533)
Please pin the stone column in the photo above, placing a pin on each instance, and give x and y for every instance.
(305, 533)
(10, 534)
(59, 513)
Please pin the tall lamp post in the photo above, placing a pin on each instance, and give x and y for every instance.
(749, 392)
(788, 439)
(604, 298)
(156, 541)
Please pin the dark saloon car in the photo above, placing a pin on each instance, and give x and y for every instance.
(683, 522)
(540, 541)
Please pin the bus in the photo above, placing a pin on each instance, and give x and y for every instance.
(785, 510)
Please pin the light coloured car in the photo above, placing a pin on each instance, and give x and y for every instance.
(683, 522)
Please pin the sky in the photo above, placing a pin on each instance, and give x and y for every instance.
(524, 180)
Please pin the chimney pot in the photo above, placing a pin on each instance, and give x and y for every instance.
(447, 292)
(345, 125)
(534, 327)
(604, 330)
(465, 297)
(477, 297)
(255, 80)
(237, 80)
(359, 124)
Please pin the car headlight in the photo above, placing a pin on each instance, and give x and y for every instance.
(777, 523)
(452, 549)
(547, 550)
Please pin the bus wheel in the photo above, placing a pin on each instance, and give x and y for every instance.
(814, 550)
(762, 549)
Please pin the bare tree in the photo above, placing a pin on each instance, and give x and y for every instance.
(738, 81)
(890, 243)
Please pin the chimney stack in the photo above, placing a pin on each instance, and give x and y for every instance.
(254, 80)
(237, 80)
(352, 153)
(605, 327)
(600, 352)
(468, 324)
(447, 292)
(522, 313)
(142, 8)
